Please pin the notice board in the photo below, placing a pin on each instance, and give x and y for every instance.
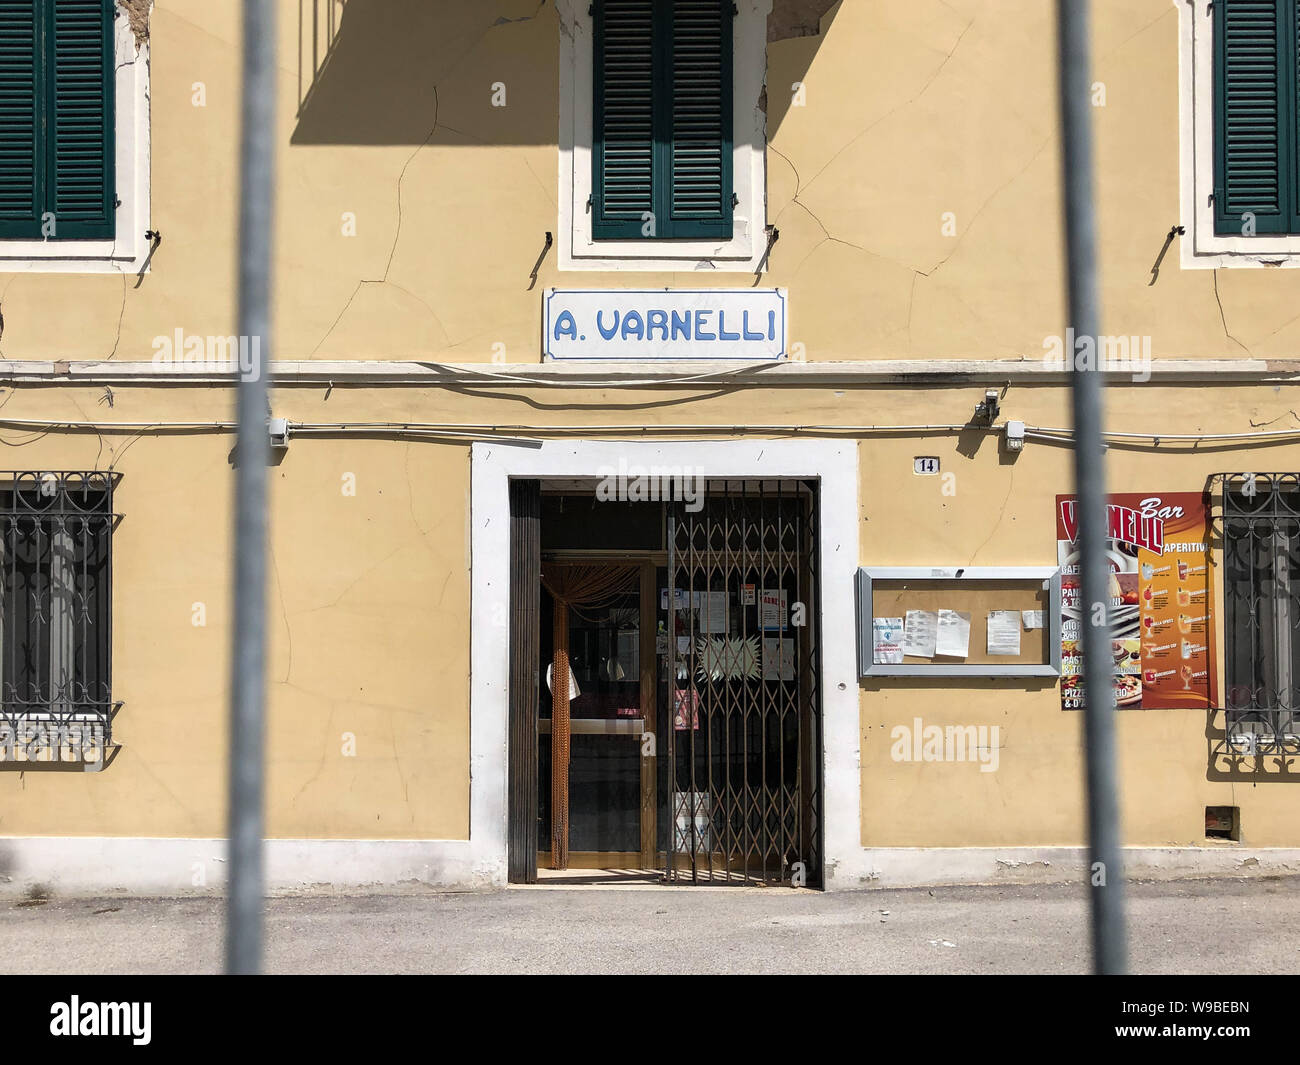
(1021, 604)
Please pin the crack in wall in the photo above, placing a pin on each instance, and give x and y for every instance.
(796, 18)
(1223, 316)
(397, 236)
(1259, 425)
(894, 110)
(437, 126)
(503, 21)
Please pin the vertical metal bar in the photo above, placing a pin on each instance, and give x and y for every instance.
(751, 556)
(1251, 556)
(61, 617)
(670, 725)
(801, 594)
(763, 799)
(692, 660)
(790, 702)
(731, 503)
(1107, 879)
(248, 658)
(646, 668)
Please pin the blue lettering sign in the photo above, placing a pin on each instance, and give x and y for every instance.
(565, 326)
(657, 320)
(612, 331)
(633, 326)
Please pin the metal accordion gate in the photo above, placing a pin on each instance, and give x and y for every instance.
(744, 743)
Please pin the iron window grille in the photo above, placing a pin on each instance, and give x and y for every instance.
(56, 701)
(1261, 550)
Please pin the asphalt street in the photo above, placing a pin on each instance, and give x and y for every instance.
(1204, 926)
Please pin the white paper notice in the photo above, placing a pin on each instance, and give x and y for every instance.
(1004, 632)
(778, 659)
(954, 634)
(629, 652)
(919, 633)
(713, 612)
(888, 634)
(1033, 619)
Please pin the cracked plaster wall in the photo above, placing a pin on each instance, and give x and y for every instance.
(914, 108)
(921, 107)
(368, 599)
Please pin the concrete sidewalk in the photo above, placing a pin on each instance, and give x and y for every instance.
(1220, 926)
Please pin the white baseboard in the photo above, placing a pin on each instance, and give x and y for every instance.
(894, 867)
(81, 865)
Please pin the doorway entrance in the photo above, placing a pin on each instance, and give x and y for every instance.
(684, 741)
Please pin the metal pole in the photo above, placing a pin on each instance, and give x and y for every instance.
(1106, 874)
(248, 657)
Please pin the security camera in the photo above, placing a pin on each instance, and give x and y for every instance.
(987, 411)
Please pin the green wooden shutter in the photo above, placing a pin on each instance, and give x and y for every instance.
(698, 166)
(81, 188)
(21, 163)
(662, 119)
(1255, 115)
(56, 119)
(1292, 51)
(623, 146)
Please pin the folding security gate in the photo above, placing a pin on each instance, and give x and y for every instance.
(744, 735)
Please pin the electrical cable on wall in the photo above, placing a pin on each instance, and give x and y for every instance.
(484, 431)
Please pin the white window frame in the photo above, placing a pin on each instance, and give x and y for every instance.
(1201, 247)
(746, 249)
(128, 251)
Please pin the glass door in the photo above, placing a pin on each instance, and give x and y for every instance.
(611, 782)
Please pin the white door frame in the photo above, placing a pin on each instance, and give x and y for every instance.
(834, 463)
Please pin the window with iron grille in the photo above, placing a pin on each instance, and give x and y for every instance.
(55, 593)
(1261, 548)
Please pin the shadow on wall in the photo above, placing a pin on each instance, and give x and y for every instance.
(407, 72)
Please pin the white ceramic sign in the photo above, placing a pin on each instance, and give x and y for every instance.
(664, 324)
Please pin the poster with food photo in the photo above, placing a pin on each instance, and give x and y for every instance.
(1159, 612)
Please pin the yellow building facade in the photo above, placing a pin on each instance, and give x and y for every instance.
(444, 196)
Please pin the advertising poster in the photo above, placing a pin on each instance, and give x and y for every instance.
(1159, 610)
(772, 609)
